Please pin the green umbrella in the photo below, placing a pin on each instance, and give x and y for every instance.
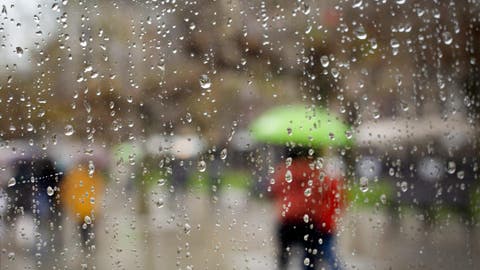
(301, 124)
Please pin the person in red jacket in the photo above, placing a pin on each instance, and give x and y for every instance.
(309, 203)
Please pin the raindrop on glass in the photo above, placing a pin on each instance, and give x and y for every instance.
(452, 167)
(394, 43)
(289, 131)
(349, 134)
(363, 184)
(159, 203)
(404, 186)
(11, 182)
(201, 166)
(50, 191)
(69, 130)
(447, 38)
(360, 33)
(205, 82)
(288, 162)
(19, 51)
(91, 168)
(324, 61)
(306, 218)
(187, 228)
(288, 176)
(357, 3)
(383, 198)
(223, 153)
(188, 117)
(87, 220)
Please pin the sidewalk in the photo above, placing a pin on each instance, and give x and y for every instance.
(237, 233)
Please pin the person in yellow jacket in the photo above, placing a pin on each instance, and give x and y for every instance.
(81, 192)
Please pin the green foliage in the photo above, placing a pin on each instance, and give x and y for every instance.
(371, 197)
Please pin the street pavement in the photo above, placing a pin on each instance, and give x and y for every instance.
(237, 231)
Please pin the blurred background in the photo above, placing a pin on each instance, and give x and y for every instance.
(150, 104)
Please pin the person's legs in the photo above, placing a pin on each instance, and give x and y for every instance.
(327, 249)
(286, 238)
(311, 258)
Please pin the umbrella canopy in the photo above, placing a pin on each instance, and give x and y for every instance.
(301, 124)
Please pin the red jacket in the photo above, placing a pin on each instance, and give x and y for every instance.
(307, 192)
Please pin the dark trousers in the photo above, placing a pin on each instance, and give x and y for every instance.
(317, 246)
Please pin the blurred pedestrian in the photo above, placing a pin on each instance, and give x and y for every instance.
(33, 206)
(81, 192)
(308, 203)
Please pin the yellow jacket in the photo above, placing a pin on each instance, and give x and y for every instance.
(81, 193)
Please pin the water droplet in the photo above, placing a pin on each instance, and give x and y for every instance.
(401, 2)
(324, 61)
(363, 184)
(201, 166)
(383, 198)
(223, 153)
(306, 218)
(452, 167)
(288, 162)
(19, 51)
(349, 134)
(69, 130)
(357, 3)
(30, 127)
(307, 192)
(288, 176)
(321, 176)
(447, 38)
(360, 33)
(271, 169)
(4, 10)
(12, 182)
(289, 131)
(205, 82)
(404, 186)
(11, 255)
(159, 203)
(306, 9)
(306, 261)
(50, 191)
(91, 168)
(460, 175)
(187, 228)
(161, 181)
(87, 220)
(394, 43)
(319, 164)
(404, 106)
(83, 42)
(188, 117)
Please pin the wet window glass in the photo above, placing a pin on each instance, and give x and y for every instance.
(228, 134)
